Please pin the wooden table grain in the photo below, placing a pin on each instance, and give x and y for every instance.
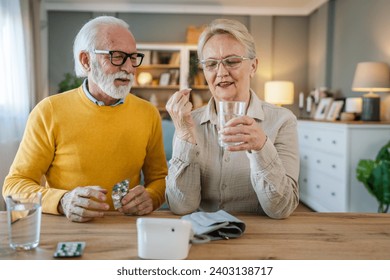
(302, 236)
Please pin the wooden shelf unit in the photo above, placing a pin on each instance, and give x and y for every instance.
(175, 59)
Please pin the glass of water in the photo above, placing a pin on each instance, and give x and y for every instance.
(228, 110)
(24, 220)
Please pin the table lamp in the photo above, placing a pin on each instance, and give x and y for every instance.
(279, 92)
(372, 77)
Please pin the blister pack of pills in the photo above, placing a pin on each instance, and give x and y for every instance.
(69, 249)
(119, 190)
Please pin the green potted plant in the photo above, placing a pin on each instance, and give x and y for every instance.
(70, 82)
(375, 175)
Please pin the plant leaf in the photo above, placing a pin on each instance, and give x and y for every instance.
(384, 153)
(363, 173)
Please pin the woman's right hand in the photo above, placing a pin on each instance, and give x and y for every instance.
(179, 108)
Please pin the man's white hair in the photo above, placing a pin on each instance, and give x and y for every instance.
(87, 38)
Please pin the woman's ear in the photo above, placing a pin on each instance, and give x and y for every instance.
(254, 67)
(85, 60)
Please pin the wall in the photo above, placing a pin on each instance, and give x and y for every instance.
(290, 53)
(361, 33)
(318, 51)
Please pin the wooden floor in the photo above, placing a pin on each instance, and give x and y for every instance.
(303, 208)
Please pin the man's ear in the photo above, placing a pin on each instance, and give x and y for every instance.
(254, 67)
(85, 61)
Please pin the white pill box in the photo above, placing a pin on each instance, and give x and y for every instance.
(163, 238)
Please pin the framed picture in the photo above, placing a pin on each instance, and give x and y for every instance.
(335, 110)
(164, 79)
(323, 108)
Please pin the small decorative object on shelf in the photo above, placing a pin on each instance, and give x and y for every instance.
(345, 116)
(174, 73)
(193, 33)
(144, 79)
(353, 105)
(309, 104)
(323, 108)
(335, 109)
(164, 79)
(301, 100)
(375, 175)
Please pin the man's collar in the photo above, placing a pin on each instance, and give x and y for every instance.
(94, 100)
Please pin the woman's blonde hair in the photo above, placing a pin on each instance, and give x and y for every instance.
(231, 27)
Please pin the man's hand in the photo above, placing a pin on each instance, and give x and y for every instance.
(137, 202)
(84, 203)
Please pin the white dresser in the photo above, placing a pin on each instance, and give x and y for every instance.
(329, 153)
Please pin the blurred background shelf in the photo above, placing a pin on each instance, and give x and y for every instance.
(167, 68)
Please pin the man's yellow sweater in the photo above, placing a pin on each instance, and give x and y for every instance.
(73, 142)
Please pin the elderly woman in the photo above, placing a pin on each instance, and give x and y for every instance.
(260, 174)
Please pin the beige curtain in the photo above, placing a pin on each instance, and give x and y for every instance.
(22, 77)
(35, 26)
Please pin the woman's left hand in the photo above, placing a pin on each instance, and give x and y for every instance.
(243, 130)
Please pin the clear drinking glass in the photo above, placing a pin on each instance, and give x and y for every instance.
(228, 110)
(24, 220)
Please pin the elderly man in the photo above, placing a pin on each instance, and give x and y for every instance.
(86, 140)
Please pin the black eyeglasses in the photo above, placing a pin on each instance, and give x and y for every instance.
(118, 58)
(229, 62)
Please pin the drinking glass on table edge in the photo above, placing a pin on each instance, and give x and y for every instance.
(24, 211)
(228, 110)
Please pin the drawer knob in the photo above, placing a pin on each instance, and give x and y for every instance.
(334, 166)
(319, 139)
(334, 142)
(305, 180)
(318, 161)
(306, 137)
(318, 186)
(305, 157)
(333, 193)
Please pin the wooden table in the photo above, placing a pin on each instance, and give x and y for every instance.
(302, 236)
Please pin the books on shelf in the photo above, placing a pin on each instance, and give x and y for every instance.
(175, 59)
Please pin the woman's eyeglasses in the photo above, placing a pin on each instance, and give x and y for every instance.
(118, 58)
(229, 62)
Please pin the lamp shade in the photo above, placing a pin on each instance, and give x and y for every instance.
(279, 92)
(371, 77)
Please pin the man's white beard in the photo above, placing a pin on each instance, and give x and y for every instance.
(106, 81)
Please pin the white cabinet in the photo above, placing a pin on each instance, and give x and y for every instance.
(329, 154)
(169, 65)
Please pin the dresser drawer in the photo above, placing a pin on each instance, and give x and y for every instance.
(332, 165)
(322, 192)
(330, 140)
